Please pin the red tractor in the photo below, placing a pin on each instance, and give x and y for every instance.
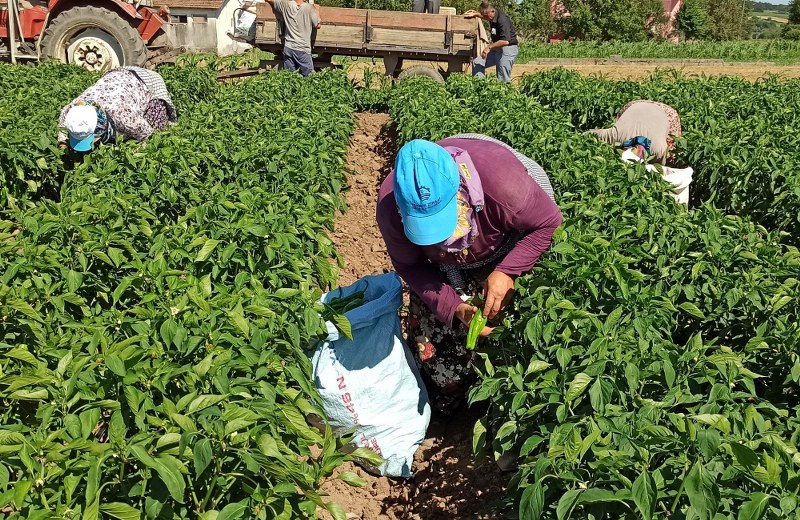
(96, 34)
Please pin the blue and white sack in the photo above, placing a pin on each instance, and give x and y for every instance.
(370, 385)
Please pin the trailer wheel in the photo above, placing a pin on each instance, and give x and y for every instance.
(95, 38)
(421, 71)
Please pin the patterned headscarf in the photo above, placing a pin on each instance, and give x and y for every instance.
(470, 202)
(105, 128)
(639, 146)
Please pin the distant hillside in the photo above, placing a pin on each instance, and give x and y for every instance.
(759, 7)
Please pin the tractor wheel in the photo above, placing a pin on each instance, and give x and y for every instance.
(421, 71)
(95, 38)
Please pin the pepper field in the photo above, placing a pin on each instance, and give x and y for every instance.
(157, 301)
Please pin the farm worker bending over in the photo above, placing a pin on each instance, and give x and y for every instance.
(457, 215)
(130, 101)
(502, 53)
(644, 128)
(299, 20)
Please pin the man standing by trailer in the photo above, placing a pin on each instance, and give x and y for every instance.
(299, 20)
(502, 53)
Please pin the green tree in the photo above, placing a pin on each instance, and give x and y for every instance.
(692, 20)
(794, 12)
(730, 19)
(622, 20)
(766, 29)
(791, 32)
(533, 20)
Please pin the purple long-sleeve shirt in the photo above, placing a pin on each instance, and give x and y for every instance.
(513, 201)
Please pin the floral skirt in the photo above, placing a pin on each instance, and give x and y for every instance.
(156, 114)
(441, 354)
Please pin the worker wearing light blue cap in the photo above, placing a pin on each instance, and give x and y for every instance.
(461, 218)
(129, 102)
(426, 182)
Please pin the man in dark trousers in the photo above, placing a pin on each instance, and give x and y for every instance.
(502, 53)
(426, 6)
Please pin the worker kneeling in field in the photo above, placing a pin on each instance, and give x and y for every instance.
(130, 102)
(299, 21)
(502, 52)
(457, 215)
(644, 126)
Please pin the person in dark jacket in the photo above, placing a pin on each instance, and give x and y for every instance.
(457, 216)
(502, 52)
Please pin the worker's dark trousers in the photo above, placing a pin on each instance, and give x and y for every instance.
(429, 6)
(297, 60)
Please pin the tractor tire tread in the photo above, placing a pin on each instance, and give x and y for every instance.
(134, 50)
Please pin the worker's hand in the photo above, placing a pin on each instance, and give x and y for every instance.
(497, 291)
(472, 14)
(485, 52)
(465, 312)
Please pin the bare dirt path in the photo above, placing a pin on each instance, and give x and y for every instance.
(635, 71)
(749, 71)
(448, 483)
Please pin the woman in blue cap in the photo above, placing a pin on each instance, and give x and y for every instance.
(460, 216)
(131, 102)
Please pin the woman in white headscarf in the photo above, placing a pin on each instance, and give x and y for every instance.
(130, 102)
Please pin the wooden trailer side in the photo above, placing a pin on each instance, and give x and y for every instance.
(379, 31)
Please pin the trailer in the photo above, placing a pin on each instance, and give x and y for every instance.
(102, 34)
(392, 36)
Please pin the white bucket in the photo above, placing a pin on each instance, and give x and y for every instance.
(681, 179)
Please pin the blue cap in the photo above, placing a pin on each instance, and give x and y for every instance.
(426, 182)
(82, 145)
(80, 122)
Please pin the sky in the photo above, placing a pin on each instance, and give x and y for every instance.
(782, 2)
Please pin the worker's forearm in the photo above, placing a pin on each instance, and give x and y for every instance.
(498, 44)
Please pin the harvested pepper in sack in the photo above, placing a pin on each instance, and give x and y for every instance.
(343, 305)
(335, 309)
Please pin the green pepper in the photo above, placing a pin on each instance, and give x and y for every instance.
(476, 325)
(346, 303)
